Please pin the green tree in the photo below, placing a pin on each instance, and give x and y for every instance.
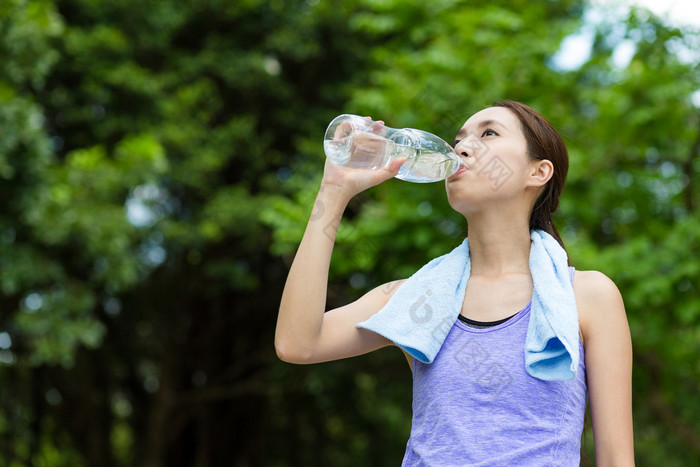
(139, 287)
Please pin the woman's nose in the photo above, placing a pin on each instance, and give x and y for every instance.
(466, 146)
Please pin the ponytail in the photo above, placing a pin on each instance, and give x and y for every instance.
(541, 217)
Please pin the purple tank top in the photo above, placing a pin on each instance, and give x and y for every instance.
(475, 405)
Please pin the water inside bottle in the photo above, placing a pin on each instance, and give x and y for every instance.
(374, 152)
(425, 167)
(361, 150)
(336, 151)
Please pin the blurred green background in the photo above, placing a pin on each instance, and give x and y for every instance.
(158, 163)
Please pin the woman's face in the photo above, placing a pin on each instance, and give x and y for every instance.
(496, 166)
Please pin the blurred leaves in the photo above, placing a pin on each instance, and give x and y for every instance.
(158, 164)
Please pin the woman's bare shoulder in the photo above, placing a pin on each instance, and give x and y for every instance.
(591, 284)
(598, 301)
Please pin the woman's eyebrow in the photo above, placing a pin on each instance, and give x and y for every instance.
(486, 123)
(482, 124)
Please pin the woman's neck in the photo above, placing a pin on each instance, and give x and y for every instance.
(499, 246)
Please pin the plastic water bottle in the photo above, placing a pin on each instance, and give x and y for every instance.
(354, 141)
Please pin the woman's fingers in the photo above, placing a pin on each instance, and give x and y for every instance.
(396, 165)
(375, 127)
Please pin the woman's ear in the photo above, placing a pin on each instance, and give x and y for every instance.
(541, 172)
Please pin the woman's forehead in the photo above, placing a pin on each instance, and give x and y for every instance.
(492, 114)
(498, 117)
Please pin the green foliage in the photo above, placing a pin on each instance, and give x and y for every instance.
(158, 164)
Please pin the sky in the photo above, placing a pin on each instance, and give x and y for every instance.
(576, 48)
(678, 12)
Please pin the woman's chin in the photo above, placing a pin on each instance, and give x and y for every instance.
(464, 205)
(467, 199)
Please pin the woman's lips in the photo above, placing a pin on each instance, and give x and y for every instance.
(461, 170)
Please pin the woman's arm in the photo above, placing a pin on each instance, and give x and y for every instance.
(608, 356)
(305, 333)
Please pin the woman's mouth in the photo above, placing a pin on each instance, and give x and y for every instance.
(461, 170)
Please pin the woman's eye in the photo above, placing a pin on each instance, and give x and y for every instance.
(488, 132)
(456, 142)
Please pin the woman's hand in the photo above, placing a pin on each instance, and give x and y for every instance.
(367, 144)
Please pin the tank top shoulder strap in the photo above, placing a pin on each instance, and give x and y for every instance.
(572, 270)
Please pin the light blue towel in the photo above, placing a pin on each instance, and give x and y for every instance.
(422, 311)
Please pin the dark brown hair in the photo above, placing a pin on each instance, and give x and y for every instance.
(543, 142)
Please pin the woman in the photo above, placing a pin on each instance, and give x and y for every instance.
(517, 420)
